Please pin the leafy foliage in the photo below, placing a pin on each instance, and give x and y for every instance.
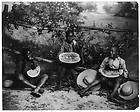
(47, 14)
(123, 9)
(128, 9)
(51, 15)
(66, 16)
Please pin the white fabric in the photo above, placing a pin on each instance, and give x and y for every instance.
(114, 64)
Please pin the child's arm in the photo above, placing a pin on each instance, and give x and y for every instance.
(123, 66)
(102, 66)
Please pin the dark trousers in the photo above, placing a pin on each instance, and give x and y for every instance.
(110, 83)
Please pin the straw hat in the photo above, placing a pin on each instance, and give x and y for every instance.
(88, 75)
(128, 90)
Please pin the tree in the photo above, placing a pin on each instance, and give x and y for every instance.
(47, 14)
(57, 17)
(128, 9)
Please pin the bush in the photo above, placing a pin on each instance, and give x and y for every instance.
(48, 43)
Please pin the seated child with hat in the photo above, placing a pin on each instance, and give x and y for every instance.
(113, 71)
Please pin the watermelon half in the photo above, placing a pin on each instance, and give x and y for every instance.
(112, 74)
(69, 57)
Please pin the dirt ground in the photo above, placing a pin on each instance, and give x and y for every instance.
(59, 100)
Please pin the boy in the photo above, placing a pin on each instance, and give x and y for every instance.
(113, 64)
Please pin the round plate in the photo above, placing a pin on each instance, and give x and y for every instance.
(69, 57)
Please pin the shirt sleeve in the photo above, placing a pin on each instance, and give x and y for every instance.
(123, 66)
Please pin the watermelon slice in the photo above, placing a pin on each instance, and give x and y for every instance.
(69, 57)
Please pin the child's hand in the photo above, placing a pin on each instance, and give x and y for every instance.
(121, 71)
(101, 71)
(125, 75)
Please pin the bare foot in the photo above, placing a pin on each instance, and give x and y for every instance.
(41, 91)
(35, 94)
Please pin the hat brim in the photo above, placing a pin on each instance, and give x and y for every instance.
(86, 73)
(135, 90)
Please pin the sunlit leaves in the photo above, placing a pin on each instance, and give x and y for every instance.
(48, 14)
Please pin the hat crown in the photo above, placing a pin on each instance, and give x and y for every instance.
(126, 90)
(133, 92)
(90, 79)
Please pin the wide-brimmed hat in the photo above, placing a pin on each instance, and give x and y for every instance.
(89, 75)
(128, 90)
